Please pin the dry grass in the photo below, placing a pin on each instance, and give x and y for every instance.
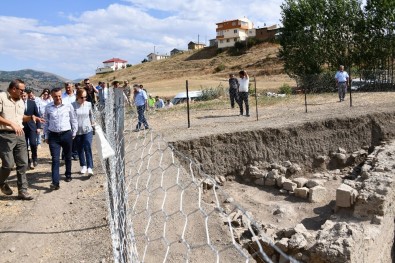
(168, 77)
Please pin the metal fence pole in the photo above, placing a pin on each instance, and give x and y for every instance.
(305, 99)
(119, 114)
(256, 100)
(189, 120)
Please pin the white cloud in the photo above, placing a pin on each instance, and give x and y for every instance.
(129, 31)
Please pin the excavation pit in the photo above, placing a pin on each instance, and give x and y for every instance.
(346, 217)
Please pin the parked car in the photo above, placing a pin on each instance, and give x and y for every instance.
(182, 96)
(360, 84)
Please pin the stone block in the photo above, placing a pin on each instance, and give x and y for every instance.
(280, 181)
(289, 185)
(283, 244)
(314, 182)
(345, 196)
(270, 182)
(317, 194)
(302, 192)
(260, 181)
(300, 181)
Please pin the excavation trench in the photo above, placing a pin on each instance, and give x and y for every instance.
(340, 158)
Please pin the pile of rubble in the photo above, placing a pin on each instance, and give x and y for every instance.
(361, 228)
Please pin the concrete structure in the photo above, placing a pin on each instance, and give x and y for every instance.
(155, 57)
(231, 31)
(193, 46)
(112, 65)
(267, 33)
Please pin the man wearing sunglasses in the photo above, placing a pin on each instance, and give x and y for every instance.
(12, 139)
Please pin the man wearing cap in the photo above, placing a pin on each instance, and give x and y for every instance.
(13, 146)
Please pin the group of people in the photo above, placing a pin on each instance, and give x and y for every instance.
(238, 91)
(67, 121)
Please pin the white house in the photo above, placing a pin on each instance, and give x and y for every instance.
(155, 57)
(112, 65)
(231, 31)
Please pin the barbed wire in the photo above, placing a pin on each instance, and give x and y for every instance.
(164, 208)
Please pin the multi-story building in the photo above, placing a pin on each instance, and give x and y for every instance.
(231, 31)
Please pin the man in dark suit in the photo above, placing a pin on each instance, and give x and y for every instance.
(31, 128)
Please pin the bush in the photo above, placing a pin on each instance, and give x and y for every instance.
(212, 93)
(251, 89)
(285, 89)
(219, 68)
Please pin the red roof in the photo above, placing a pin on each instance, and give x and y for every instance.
(115, 60)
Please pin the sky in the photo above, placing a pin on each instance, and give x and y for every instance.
(71, 38)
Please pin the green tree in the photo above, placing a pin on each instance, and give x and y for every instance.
(318, 34)
(379, 45)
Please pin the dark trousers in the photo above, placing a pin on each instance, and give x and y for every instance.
(342, 90)
(13, 152)
(57, 141)
(31, 139)
(84, 149)
(234, 97)
(243, 97)
(141, 117)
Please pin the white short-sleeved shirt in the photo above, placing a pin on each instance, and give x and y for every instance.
(243, 84)
(341, 76)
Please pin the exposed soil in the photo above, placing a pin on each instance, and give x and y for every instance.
(67, 225)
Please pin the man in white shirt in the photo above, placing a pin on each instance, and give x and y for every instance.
(342, 80)
(244, 83)
(68, 95)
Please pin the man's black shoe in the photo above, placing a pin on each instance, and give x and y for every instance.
(75, 158)
(35, 163)
(68, 179)
(5, 188)
(54, 186)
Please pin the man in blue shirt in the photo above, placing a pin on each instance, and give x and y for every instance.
(140, 100)
(342, 79)
(60, 128)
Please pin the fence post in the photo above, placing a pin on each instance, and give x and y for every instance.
(256, 100)
(119, 114)
(350, 82)
(305, 99)
(189, 121)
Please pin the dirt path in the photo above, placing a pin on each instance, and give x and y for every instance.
(67, 225)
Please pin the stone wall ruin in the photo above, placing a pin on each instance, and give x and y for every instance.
(303, 161)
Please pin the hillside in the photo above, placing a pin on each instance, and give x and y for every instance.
(167, 77)
(37, 80)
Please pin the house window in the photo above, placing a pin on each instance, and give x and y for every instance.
(235, 39)
(228, 40)
(235, 31)
(233, 23)
(221, 41)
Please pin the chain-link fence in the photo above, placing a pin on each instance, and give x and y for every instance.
(163, 208)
